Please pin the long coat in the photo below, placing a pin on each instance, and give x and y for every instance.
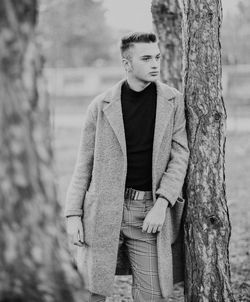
(96, 190)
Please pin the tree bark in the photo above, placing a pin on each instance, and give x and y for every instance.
(34, 262)
(167, 19)
(207, 225)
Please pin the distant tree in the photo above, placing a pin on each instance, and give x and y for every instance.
(244, 9)
(167, 18)
(236, 35)
(34, 263)
(74, 32)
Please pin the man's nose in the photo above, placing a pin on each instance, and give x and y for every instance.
(155, 63)
(155, 66)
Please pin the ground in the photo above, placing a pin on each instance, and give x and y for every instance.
(68, 119)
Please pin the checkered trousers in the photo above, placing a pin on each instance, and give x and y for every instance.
(142, 252)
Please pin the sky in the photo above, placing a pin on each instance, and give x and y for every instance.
(136, 15)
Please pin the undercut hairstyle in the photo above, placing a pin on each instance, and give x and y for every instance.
(129, 40)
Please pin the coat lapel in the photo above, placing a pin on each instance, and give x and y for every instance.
(164, 109)
(113, 112)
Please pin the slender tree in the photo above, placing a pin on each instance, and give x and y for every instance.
(34, 263)
(167, 19)
(207, 225)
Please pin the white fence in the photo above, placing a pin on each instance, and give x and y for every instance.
(74, 82)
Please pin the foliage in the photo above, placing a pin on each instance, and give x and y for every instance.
(236, 35)
(74, 33)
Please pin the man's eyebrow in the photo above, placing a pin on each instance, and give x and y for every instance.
(149, 56)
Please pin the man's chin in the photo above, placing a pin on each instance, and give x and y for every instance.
(154, 78)
(150, 79)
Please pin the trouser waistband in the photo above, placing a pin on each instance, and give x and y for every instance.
(133, 194)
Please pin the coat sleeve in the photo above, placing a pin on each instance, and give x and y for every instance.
(173, 178)
(83, 167)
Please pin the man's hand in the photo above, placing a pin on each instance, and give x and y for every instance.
(75, 230)
(154, 220)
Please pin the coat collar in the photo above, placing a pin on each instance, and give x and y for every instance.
(164, 107)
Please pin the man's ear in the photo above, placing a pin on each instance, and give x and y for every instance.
(126, 64)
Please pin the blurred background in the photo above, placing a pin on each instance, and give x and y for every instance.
(80, 41)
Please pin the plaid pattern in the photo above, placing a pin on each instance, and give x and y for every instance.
(142, 252)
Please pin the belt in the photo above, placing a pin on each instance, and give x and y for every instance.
(136, 194)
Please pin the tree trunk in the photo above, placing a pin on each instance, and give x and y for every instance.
(207, 225)
(167, 18)
(34, 263)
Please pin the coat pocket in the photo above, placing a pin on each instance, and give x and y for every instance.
(176, 218)
(89, 217)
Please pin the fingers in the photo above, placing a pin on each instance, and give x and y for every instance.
(75, 231)
(80, 244)
(151, 228)
(77, 238)
(145, 226)
(155, 229)
(159, 228)
(81, 236)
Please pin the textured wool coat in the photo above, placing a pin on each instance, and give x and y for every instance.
(96, 190)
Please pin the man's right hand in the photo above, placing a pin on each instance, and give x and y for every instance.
(75, 230)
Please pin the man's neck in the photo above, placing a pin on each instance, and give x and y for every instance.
(137, 85)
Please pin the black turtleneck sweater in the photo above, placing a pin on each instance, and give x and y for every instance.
(139, 109)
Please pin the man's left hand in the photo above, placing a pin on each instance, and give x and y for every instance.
(155, 218)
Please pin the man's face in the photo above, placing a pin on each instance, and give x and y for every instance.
(144, 62)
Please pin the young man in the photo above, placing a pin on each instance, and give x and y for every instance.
(124, 200)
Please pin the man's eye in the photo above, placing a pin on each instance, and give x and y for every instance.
(158, 58)
(146, 59)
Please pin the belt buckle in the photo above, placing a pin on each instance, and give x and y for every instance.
(136, 194)
(131, 193)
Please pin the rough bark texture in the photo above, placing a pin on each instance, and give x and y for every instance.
(167, 18)
(34, 263)
(207, 225)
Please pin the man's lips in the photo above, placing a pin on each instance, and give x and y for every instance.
(154, 73)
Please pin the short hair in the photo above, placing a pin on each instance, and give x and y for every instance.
(135, 37)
